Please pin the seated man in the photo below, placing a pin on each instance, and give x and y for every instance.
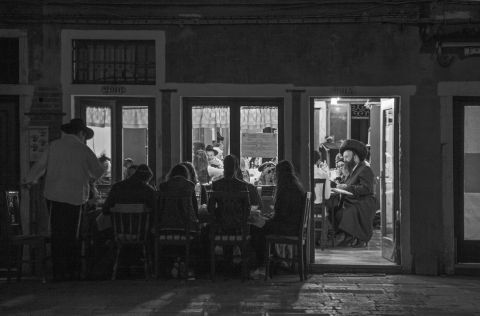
(134, 190)
(354, 213)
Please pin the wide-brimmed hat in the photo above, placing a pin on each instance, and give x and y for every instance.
(76, 125)
(356, 146)
(211, 148)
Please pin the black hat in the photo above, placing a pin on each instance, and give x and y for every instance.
(356, 146)
(76, 125)
(211, 148)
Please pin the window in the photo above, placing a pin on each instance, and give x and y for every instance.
(113, 62)
(9, 61)
(245, 127)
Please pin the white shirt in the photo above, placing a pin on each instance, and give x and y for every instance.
(319, 173)
(69, 165)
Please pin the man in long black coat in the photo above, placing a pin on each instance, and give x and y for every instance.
(354, 213)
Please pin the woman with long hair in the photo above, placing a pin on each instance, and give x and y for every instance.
(288, 207)
(200, 162)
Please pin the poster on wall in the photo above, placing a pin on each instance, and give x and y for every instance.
(259, 145)
(38, 141)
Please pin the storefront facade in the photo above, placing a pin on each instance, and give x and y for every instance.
(287, 64)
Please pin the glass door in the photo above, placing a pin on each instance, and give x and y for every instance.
(245, 127)
(388, 181)
(466, 179)
(124, 128)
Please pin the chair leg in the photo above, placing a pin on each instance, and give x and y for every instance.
(187, 259)
(244, 262)
(19, 262)
(212, 260)
(156, 258)
(305, 265)
(115, 266)
(267, 262)
(42, 258)
(300, 261)
(146, 265)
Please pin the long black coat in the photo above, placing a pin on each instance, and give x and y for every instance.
(357, 212)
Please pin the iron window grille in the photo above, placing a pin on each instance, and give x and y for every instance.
(113, 62)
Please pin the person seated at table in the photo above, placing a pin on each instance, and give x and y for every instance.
(253, 195)
(342, 171)
(178, 184)
(134, 190)
(288, 210)
(229, 183)
(213, 160)
(244, 170)
(354, 213)
(267, 176)
(192, 176)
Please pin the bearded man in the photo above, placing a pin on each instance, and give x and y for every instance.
(354, 213)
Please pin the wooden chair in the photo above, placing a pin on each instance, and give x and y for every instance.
(131, 224)
(181, 235)
(12, 238)
(230, 211)
(321, 224)
(300, 241)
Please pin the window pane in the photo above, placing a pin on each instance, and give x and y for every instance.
(258, 142)
(135, 135)
(339, 121)
(210, 140)
(99, 119)
(9, 60)
(471, 171)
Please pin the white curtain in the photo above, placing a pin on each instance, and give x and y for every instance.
(257, 118)
(132, 117)
(210, 117)
(135, 117)
(252, 118)
(99, 116)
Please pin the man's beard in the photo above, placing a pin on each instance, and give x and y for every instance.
(350, 165)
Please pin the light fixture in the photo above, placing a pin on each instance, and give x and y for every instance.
(334, 101)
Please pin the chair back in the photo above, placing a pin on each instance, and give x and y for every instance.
(175, 212)
(319, 190)
(10, 220)
(305, 216)
(131, 222)
(230, 209)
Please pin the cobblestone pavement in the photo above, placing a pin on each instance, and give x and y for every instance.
(339, 294)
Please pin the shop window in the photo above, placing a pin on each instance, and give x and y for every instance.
(113, 61)
(9, 61)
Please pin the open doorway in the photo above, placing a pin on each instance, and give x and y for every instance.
(373, 121)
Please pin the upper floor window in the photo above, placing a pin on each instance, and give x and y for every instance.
(114, 61)
(9, 60)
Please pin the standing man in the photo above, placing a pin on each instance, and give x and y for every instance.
(69, 165)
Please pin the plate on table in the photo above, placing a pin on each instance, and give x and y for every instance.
(341, 191)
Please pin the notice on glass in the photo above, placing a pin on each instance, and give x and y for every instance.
(259, 145)
(38, 141)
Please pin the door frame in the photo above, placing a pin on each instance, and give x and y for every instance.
(390, 248)
(234, 103)
(465, 249)
(398, 187)
(116, 139)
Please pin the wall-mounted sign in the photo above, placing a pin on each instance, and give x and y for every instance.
(114, 90)
(259, 145)
(37, 141)
(339, 91)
